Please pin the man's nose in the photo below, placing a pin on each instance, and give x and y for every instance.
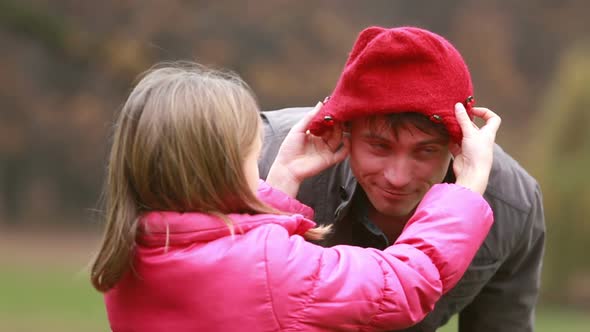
(398, 172)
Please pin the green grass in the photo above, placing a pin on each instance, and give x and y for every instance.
(49, 300)
(61, 299)
(549, 319)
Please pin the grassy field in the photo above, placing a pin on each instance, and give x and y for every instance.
(49, 301)
(44, 283)
(549, 319)
(44, 287)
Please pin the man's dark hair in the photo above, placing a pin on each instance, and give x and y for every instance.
(397, 121)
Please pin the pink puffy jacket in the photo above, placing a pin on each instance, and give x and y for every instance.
(268, 278)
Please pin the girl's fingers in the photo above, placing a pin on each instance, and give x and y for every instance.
(333, 137)
(492, 120)
(467, 126)
(341, 154)
(302, 125)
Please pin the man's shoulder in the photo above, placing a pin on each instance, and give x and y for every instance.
(510, 183)
(279, 122)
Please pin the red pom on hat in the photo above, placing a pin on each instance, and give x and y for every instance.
(400, 70)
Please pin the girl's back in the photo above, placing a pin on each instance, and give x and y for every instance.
(202, 279)
(191, 274)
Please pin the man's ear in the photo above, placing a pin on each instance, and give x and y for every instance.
(346, 126)
(455, 149)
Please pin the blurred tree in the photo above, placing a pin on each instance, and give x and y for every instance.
(560, 158)
(69, 65)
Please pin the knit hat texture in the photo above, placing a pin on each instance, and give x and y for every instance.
(397, 70)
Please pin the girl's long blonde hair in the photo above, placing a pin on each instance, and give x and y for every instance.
(179, 145)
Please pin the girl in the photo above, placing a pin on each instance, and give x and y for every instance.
(194, 241)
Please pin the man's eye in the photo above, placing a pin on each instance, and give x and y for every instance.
(428, 150)
(380, 146)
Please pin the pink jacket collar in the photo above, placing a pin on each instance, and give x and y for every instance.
(184, 228)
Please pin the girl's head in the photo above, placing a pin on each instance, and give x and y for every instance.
(187, 139)
(182, 139)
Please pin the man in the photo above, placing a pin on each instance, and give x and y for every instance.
(395, 100)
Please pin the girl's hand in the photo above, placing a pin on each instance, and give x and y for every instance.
(303, 155)
(473, 159)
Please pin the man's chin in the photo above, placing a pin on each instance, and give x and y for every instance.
(398, 212)
(398, 215)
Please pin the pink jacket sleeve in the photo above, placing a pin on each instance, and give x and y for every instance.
(351, 288)
(281, 201)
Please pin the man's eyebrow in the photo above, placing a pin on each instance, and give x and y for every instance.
(374, 135)
(439, 141)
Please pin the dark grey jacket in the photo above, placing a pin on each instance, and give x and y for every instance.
(499, 290)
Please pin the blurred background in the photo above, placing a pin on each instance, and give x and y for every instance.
(67, 66)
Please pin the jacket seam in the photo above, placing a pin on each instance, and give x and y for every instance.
(269, 289)
(528, 224)
(529, 221)
(313, 289)
(265, 117)
(496, 195)
(520, 228)
(381, 307)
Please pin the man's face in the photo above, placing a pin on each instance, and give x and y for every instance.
(396, 171)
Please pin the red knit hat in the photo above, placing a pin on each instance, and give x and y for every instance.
(399, 70)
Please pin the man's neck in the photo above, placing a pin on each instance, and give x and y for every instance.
(391, 226)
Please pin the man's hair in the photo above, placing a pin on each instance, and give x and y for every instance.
(398, 121)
